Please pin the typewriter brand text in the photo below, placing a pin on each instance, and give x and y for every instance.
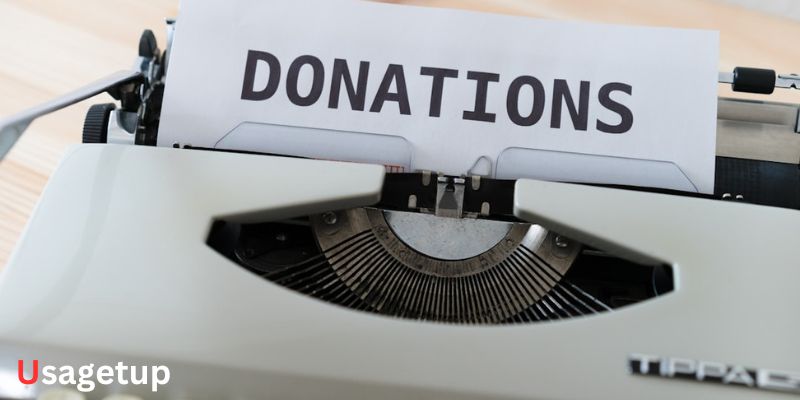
(716, 372)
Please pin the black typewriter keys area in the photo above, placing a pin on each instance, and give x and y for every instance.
(388, 262)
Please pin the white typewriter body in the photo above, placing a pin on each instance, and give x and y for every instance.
(96, 277)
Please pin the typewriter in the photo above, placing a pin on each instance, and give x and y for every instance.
(259, 275)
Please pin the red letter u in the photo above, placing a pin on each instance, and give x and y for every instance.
(21, 373)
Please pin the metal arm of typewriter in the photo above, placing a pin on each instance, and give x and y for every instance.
(758, 80)
(13, 127)
(132, 87)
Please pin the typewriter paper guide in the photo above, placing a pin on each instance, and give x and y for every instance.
(444, 90)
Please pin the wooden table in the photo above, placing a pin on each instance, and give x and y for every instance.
(50, 47)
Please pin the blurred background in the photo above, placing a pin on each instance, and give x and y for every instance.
(50, 47)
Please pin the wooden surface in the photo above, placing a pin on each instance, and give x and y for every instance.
(50, 47)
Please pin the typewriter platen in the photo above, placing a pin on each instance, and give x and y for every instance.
(423, 247)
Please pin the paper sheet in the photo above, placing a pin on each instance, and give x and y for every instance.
(444, 90)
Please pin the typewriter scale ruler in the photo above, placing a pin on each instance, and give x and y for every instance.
(424, 267)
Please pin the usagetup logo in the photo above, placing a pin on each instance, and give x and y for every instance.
(86, 377)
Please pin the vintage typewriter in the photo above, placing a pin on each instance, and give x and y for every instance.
(258, 273)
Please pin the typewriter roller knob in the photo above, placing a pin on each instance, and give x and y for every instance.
(148, 46)
(753, 80)
(95, 126)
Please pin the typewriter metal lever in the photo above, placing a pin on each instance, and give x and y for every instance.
(13, 127)
(133, 87)
(449, 196)
(788, 81)
(758, 80)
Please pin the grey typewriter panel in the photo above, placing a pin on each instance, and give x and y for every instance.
(758, 130)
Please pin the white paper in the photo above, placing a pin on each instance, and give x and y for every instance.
(671, 75)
